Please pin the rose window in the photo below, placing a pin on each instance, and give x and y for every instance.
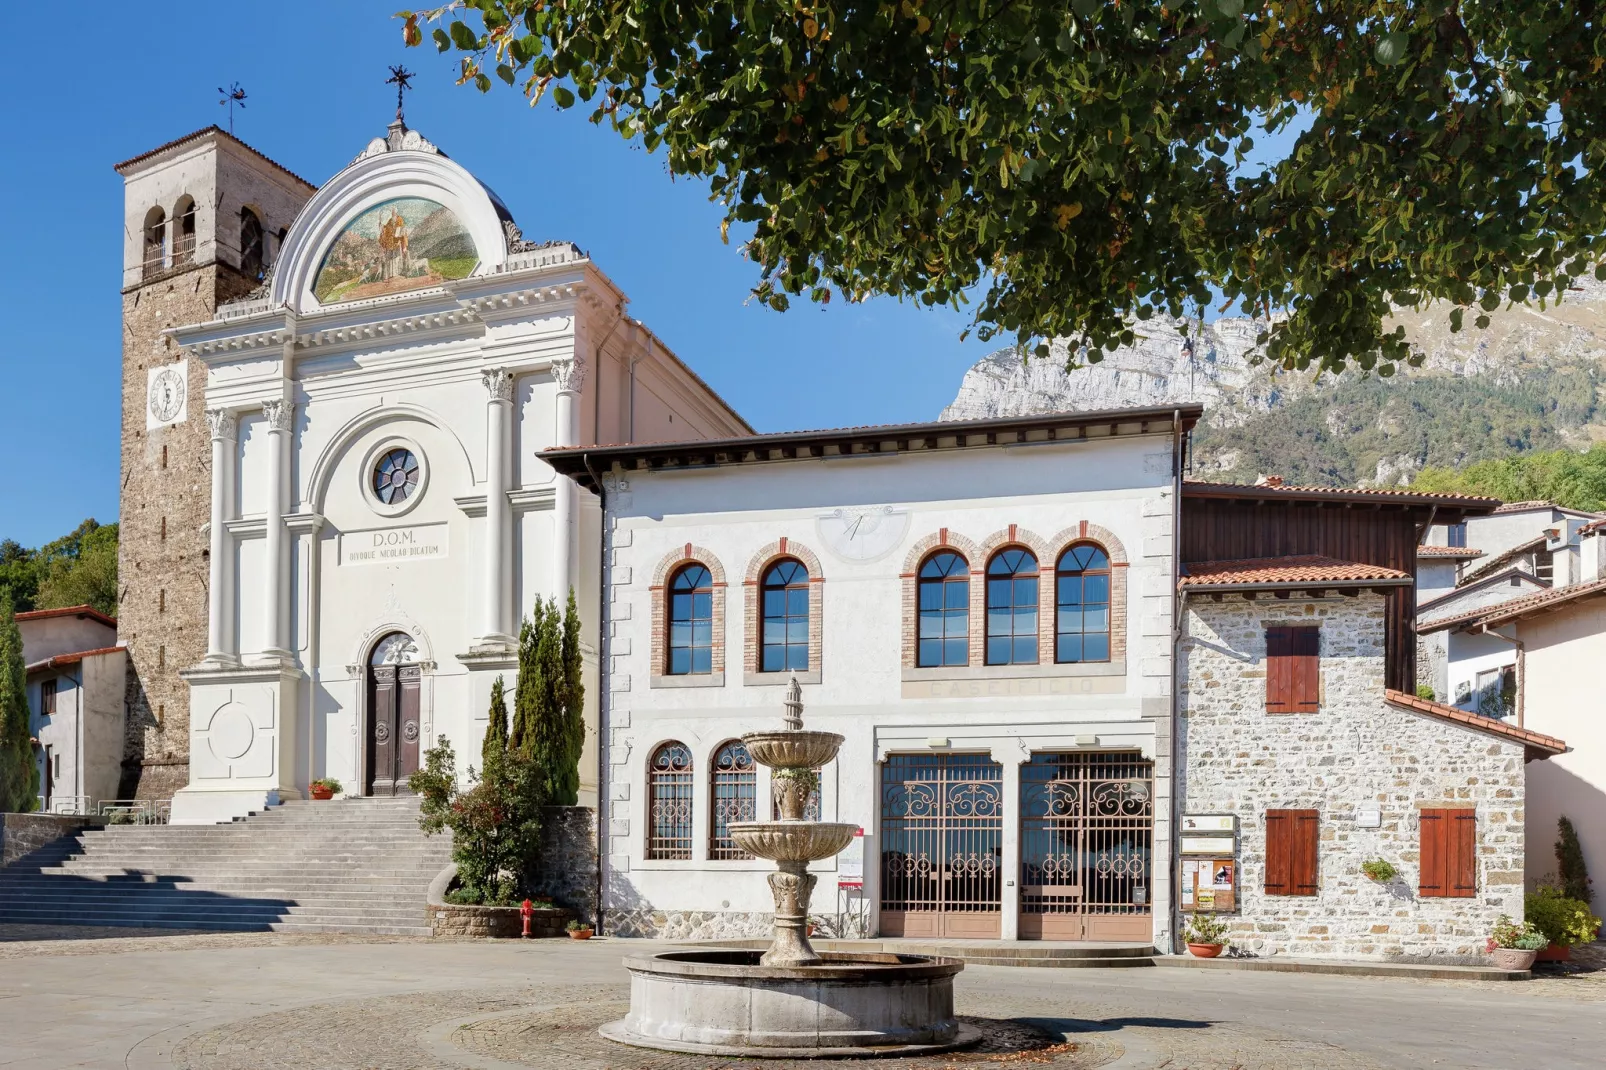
(396, 477)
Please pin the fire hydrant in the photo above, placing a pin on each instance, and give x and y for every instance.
(526, 911)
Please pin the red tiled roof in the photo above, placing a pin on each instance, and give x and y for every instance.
(204, 131)
(58, 660)
(1593, 526)
(1538, 745)
(69, 611)
(1466, 552)
(1506, 557)
(1523, 507)
(1204, 488)
(1545, 600)
(1274, 572)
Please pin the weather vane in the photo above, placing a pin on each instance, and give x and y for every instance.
(402, 79)
(231, 96)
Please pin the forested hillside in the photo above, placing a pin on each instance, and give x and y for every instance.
(78, 569)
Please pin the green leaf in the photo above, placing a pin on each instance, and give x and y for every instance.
(562, 97)
(463, 37)
(504, 72)
(1391, 49)
(442, 42)
(1230, 8)
(1086, 8)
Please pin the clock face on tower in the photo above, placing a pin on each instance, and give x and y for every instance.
(862, 533)
(165, 395)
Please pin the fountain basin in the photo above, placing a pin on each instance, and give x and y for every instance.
(725, 1003)
(792, 748)
(792, 841)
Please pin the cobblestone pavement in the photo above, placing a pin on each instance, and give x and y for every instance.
(271, 1001)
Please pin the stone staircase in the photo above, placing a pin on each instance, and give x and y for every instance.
(346, 865)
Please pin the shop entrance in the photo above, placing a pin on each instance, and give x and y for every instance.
(942, 839)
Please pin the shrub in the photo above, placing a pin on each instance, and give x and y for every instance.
(1570, 863)
(1564, 921)
(1204, 929)
(1523, 937)
(329, 783)
(495, 822)
(1426, 691)
(1378, 870)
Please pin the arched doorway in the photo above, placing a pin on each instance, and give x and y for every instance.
(393, 724)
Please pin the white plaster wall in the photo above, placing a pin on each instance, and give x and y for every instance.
(251, 466)
(1566, 649)
(1434, 578)
(1356, 750)
(733, 512)
(1469, 654)
(48, 636)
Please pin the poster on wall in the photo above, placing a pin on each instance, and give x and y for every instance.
(850, 863)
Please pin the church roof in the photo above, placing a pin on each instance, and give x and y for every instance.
(206, 131)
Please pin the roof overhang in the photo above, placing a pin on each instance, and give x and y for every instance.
(1536, 745)
(585, 464)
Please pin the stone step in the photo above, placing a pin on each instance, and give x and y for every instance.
(388, 927)
(313, 899)
(220, 911)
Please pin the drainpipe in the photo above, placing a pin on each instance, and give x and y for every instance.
(1179, 602)
(1522, 665)
(603, 572)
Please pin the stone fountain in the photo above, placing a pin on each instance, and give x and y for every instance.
(791, 1001)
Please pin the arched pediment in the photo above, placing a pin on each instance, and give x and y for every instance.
(393, 222)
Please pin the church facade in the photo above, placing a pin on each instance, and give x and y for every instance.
(377, 520)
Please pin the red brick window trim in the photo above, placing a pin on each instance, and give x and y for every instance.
(758, 568)
(668, 568)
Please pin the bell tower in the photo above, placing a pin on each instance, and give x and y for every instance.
(203, 218)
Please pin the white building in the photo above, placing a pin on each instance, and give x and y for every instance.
(380, 520)
(75, 704)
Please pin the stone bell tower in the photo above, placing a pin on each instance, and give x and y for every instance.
(203, 218)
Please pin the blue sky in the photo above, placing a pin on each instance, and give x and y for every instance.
(314, 73)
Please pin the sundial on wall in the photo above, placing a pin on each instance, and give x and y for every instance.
(166, 393)
(862, 533)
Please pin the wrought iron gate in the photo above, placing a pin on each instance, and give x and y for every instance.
(942, 839)
(1087, 833)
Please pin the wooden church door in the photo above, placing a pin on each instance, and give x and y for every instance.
(394, 726)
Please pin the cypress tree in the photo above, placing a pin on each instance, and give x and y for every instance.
(495, 744)
(572, 704)
(550, 752)
(522, 735)
(1570, 866)
(19, 776)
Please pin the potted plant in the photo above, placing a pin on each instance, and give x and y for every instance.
(578, 930)
(324, 787)
(1379, 871)
(1206, 936)
(1513, 946)
(1565, 921)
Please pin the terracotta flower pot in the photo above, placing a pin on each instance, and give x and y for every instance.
(1511, 958)
(1206, 951)
(1555, 953)
(579, 934)
(318, 792)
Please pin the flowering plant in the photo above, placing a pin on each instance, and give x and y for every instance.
(1524, 936)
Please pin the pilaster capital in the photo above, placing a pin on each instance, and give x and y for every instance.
(279, 413)
(569, 373)
(224, 424)
(498, 383)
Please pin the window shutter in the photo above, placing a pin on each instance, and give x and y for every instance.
(1462, 840)
(1431, 880)
(1278, 828)
(1305, 654)
(1279, 676)
(1303, 865)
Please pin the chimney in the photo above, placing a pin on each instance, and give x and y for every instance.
(1269, 481)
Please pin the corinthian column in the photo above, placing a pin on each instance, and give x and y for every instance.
(220, 601)
(280, 415)
(497, 627)
(569, 373)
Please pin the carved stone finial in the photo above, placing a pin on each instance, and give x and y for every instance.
(498, 383)
(223, 423)
(794, 705)
(569, 373)
(279, 413)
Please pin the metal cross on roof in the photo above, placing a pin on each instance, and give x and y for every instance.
(402, 79)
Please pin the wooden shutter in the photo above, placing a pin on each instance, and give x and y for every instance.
(1449, 866)
(1291, 845)
(1293, 670)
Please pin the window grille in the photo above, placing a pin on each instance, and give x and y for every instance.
(734, 790)
(669, 788)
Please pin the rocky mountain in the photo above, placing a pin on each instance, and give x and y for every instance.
(1531, 380)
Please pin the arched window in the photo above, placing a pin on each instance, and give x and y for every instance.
(784, 640)
(1082, 605)
(691, 622)
(1012, 608)
(734, 790)
(184, 237)
(155, 252)
(250, 244)
(669, 791)
(944, 637)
